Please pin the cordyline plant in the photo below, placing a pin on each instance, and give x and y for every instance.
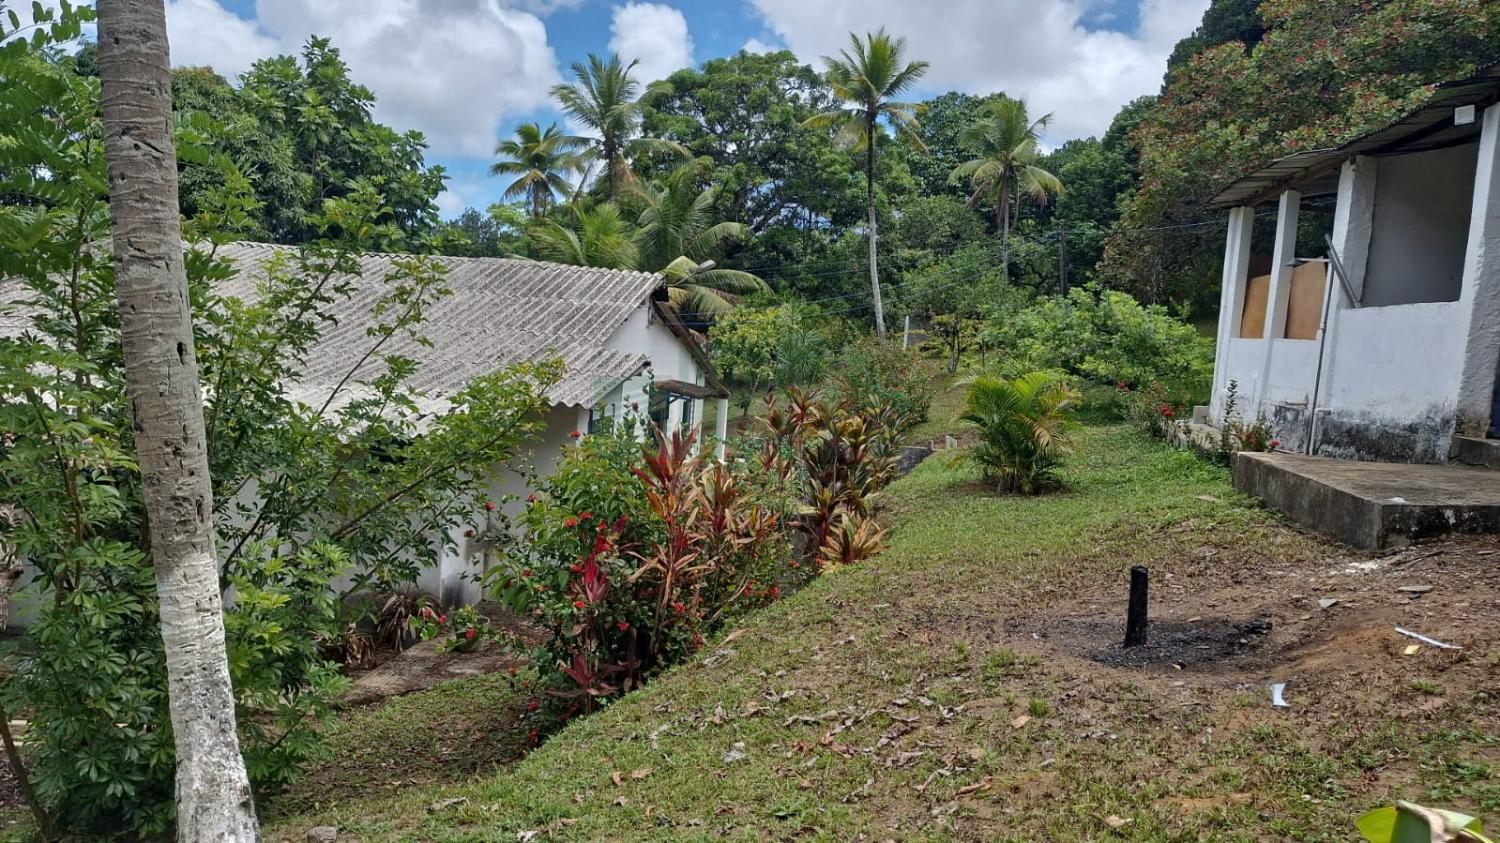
(633, 554)
(305, 495)
(837, 456)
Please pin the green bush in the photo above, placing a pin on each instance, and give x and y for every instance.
(873, 373)
(1023, 425)
(101, 751)
(1108, 337)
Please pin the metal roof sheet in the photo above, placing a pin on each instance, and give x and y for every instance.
(501, 311)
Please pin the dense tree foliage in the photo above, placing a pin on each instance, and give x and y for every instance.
(301, 131)
(1324, 71)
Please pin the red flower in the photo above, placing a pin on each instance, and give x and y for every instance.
(490, 505)
(533, 706)
(526, 572)
(442, 618)
(570, 521)
(427, 612)
(774, 592)
(531, 498)
(469, 634)
(622, 626)
(585, 515)
(469, 533)
(579, 604)
(1275, 443)
(575, 434)
(678, 607)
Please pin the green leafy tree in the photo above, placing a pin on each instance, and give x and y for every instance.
(498, 232)
(1224, 21)
(867, 78)
(606, 98)
(944, 119)
(541, 162)
(1324, 71)
(744, 114)
(300, 129)
(1006, 144)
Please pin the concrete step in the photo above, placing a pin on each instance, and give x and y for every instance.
(1472, 450)
(1373, 505)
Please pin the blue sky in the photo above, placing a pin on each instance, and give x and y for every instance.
(465, 72)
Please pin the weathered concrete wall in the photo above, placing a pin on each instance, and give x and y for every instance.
(1392, 393)
(1482, 287)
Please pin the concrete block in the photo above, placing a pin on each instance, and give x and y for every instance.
(1371, 505)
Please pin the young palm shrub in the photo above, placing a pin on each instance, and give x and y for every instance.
(1024, 425)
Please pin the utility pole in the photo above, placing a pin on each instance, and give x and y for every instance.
(1062, 257)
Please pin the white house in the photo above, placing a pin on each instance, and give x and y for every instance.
(624, 352)
(1378, 338)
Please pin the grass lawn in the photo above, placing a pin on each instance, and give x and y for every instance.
(961, 686)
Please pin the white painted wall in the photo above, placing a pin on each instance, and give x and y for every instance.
(643, 332)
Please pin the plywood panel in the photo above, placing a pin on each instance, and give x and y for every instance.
(1304, 314)
(1253, 321)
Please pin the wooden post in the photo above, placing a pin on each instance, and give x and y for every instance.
(1135, 619)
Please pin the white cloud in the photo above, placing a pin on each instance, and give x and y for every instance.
(654, 33)
(1038, 50)
(454, 69)
(755, 45)
(201, 32)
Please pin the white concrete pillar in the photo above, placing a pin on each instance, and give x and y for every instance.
(582, 423)
(721, 428)
(1480, 299)
(1231, 300)
(1353, 220)
(1287, 212)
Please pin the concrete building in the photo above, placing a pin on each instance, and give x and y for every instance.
(624, 353)
(623, 350)
(1367, 325)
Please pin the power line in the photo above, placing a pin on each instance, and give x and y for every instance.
(988, 251)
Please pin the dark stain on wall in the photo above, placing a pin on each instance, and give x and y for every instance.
(1364, 436)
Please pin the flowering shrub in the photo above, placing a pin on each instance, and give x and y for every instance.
(1152, 408)
(463, 630)
(631, 556)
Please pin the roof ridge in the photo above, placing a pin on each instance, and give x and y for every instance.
(257, 244)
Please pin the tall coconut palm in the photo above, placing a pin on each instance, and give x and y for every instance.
(161, 378)
(600, 237)
(1006, 142)
(606, 98)
(541, 161)
(679, 238)
(702, 292)
(869, 77)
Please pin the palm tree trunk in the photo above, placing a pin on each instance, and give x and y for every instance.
(874, 233)
(1002, 207)
(161, 374)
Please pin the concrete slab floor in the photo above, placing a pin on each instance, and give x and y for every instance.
(1372, 505)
